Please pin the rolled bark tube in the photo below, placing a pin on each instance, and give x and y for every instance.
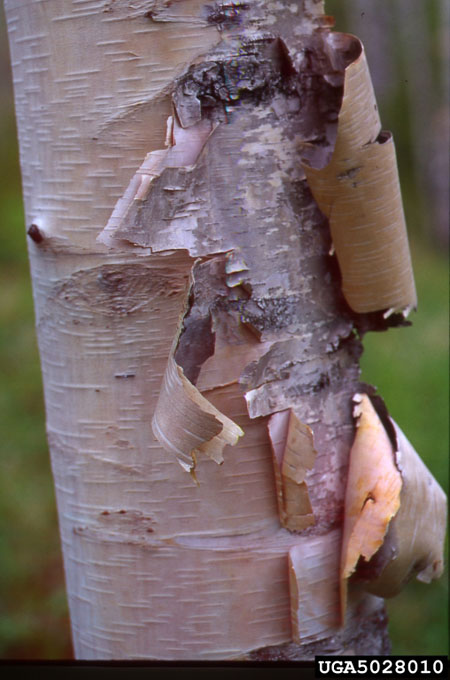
(359, 192)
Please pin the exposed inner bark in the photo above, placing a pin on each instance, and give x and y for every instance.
(413, 541)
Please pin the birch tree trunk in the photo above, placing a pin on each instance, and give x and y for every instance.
(245, 562)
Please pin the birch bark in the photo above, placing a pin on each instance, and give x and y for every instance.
(156, 566)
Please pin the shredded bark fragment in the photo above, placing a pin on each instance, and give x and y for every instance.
(198, 426)
(235, 347)
(293, 455)
(358, 190)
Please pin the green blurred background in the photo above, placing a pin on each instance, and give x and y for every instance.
(407, 46)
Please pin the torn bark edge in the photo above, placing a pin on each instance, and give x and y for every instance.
(185, 422)
(372, 495)
(293, 455)
(395, 511)
(359, 192)
(183, 149)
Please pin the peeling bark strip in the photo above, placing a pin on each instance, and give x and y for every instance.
(418, 529)
(373, 491)
(225, 100)
(181, 155)
(293, 455)
(359, 191)
(187, 424)
(395, 511)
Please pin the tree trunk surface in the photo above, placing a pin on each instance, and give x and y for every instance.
(239, 265)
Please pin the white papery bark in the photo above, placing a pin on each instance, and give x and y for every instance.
(156, 566)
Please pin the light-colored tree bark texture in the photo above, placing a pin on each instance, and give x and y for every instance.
(200, 326)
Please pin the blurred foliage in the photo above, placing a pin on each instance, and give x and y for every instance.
(409, 366)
